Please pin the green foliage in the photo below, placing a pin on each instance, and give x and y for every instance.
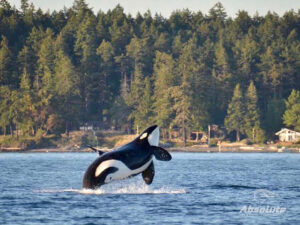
(252, 116)
(141, 101)
(61, 69)
(182, 96)
(164, 81)
(291, 116)
(106, 51)
(243, 115)
(234, 120)
(273, 116)
(5, 62)
(27, 104)
(142, 115)
(5, 104)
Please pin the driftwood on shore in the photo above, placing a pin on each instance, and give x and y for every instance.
(10, 149)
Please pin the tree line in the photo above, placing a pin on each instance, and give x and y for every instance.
(63, 68)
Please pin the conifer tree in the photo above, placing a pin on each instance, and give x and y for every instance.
(5, 103)
(120, 109)
(142, 115)
(191, 68)
(97, 64)
(24, 5)
(183, 92)
(66, 83)
(46, 58)
(120, 30)
(44, 80)
(87, 63)
(110, 80)
(140, 51)
(222, 75)
(177, 45)
(5, 63)
(136, 95)
(182, 106)
(14, 112)
(270, 72)
(26, 61)
(291, 116)
(218, 12)
(27, 104)
(162, 43)
(252, 116)
(85, 45)
(164, 80)
(234, 120)
(246, 52)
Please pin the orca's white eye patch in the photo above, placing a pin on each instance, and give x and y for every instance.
(143, 136)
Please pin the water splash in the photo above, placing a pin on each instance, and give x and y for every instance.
(121, 188)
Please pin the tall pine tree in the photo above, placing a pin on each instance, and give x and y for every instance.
(234, 120)
(252, 117)
(164, 81)
(6, 75)
(291, 116)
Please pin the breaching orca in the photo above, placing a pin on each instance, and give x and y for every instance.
(126, 161)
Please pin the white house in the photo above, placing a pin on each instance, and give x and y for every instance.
(288, 135)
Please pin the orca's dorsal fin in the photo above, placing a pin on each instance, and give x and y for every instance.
(148, 174)
(161, 154)
(96, 150)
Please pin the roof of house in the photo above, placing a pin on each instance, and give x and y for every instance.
(285, 129)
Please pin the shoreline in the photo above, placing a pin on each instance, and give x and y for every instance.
(192, 149)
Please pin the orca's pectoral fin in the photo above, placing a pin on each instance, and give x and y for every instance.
(161, 154)
(96, 150)
(148, 174)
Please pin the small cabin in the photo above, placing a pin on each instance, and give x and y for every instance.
(287, 135)
(90, 126)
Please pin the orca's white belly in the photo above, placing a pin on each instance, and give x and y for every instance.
(123, 170)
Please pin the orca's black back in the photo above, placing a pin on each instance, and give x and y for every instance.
(134, 155)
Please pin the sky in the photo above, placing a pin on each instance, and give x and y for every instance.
(166, 7)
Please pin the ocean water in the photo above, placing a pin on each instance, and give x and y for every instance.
(193, 188)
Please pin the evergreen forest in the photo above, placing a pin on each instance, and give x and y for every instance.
(62, 69)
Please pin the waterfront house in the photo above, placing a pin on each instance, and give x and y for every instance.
(288, 135)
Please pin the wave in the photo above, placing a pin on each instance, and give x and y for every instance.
(231, 186)
(132, 188)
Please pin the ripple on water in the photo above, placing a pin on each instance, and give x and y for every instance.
(190, 189)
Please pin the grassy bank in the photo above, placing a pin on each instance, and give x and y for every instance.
(76, 140)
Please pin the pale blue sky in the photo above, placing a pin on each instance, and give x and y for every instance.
(165, 7)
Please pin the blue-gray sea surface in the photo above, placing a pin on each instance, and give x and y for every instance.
(193, 188)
